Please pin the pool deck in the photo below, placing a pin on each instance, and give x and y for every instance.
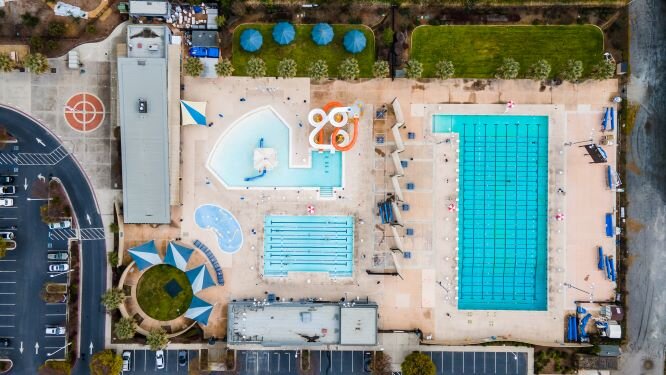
(416, 300)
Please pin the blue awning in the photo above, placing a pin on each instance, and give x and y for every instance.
(199, 310)
(251, 40)
(177, 255)
(354, 41)
(145, 255)
(200, 278)
(193, 113)
(322, 34)
(284, 33)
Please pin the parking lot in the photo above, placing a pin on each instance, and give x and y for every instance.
(143, 362)
(480, 363)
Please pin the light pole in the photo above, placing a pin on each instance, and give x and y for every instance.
(66, 345)
(61, 273)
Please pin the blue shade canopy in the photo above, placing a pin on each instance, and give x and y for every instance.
(145, 255)
(354, 41)
(177, 255)
(283, 33)
(199, 310)
(199, 278)
(251, 40)
(322, 34)
(193, 113)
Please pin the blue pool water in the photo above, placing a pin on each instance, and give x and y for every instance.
(223, 223)
(502, 210)
(232, 158)
(309, 244)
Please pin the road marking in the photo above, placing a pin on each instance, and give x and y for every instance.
(7, 304)
(6, 326)
(6, 294)
(7, 314)
(56, 314)
(7, 271)
(7, 260)
(8, 218)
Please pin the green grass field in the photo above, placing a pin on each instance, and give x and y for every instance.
(155, 301)
(303, 50)
(477, 51)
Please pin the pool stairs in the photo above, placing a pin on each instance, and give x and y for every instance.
(326, 192)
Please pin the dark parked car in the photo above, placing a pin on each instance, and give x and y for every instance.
(182, 358)
(5, 342)
(6, 180)
(367, 361)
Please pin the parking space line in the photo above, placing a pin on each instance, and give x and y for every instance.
(6, 293)
(7, 314)
(56, 314)
(7, 260)
(7, 282)
(7, 271)
(7, 304)
(3, 326)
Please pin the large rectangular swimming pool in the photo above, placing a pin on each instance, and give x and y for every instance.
(503, 204)
(308, 244)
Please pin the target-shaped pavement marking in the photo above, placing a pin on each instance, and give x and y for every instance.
(84, 112)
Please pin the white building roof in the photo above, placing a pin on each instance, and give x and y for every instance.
(149, 8)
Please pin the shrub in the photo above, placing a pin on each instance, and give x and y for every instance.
(381, 364)
(287, 68)
(224, 68)
(193, 67)
(112, 257)
(413, 69)
(444, 69)
(106, 362)
(380, 69)
(572, 71)
(603, 70)
(91, 28)
(508, 70)
(55, 29)
(318, 70)
(36, 43)
(125, 328)
(256, 67)
(349, 69)
(112, 298)
(157, 339)
(29, 20)
(540, 70)
(387, 36)
(220, 20)
(37, 63)
(55, 368)
(418, 363)
(6, 63)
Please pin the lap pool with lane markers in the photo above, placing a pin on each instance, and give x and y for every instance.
(308, 244)
(503, 182)
(223, 223)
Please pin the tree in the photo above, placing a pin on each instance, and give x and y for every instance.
(508, 70)
(540, 70)
(413, 69)
(37, 63)
(193, 67)
(318, 70)
(157, 339)
(112, 257)
(55, 29)
(381, 364)
(417, 363)
(349, 69)
(224, 68)
(287, 68)
(603, 70)
(220, 20)
(387, 36)
(572, 71)
(29, 20)
(380, 69)
(55, 368)
(256, 67)
(106, 362)
(444, 69)
(36, 43)
(112, 298)
(3, 247)
(6, 63)
(125, 328)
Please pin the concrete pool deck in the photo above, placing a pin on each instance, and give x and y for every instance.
(416, 300)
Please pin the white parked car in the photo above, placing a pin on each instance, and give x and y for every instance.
(127, 360)
(61, 267)
(61, 224)
(159, 359)
(7, 202)
(7, 235)
(7, 190)
(55, 330)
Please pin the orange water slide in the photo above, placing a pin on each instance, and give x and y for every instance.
(352, 142)
(327, 108)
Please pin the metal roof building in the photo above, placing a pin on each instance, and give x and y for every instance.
(142, 78)
(301, 323)
(202, 38)
(152, 8)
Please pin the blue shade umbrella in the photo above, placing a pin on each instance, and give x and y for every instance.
(177, 255)
(322, 34)
(199, 310)
(354, 41)
(199, 278)
(145, 255)
(251, 40)
(284, 33)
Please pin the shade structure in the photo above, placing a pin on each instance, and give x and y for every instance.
(251, 40)
(177, 255)
(199, 278)
(199, 310)
(322, 34)
(192, 113)
(354, 41)
(265, 158)
(145, 255)
(283, 33)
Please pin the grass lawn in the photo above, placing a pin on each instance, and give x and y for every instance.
(303, 50)
(477, 51)
(155, 301)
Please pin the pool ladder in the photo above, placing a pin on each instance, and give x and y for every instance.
(326, 192)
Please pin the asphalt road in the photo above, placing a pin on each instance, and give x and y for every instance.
(646, 189)
(40, 152)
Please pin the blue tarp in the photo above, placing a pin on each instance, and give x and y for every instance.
(283, 33)
(251, 40)
(354, 41)
(177, 255)
(322, 34)
(145, 255)
(199, 278)
(610, 228)
(199, 310)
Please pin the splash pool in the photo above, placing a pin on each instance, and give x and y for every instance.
(503, 182)
(232, 158)
(223, 224)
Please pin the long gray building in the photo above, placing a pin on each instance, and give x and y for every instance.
(142, 98)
